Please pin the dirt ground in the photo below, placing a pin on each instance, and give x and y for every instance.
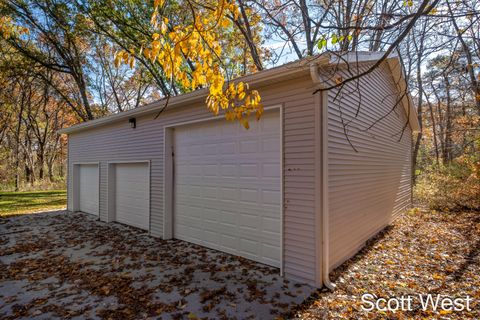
(423, 252)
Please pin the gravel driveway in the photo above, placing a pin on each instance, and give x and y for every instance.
(68, 265)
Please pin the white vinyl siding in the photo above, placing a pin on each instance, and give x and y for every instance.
(118, 142)
(227, 187)
(367, 188)
(132, 205)
(88, 188)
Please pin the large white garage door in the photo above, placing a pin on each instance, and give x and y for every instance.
(227, 188)
(132, 187)
(88, 188)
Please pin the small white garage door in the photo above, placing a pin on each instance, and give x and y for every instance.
(132, 186)
(88, 188)
(227, 188)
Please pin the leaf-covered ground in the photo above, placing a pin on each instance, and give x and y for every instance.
(12, 203)
(423, 252)
(58, 265)
(68, 265)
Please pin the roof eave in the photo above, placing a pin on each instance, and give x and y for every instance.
(257, 79)
(406, 101)
(288, 70)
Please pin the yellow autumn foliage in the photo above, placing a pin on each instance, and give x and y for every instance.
(198, 44)
(8, 28)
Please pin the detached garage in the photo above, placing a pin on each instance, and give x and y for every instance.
(299, 190)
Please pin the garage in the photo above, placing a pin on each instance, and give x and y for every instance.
(88, 184)
(290, 192)
(132, 190)
(227, 187)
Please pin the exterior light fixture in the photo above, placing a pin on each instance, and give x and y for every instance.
(133, 123)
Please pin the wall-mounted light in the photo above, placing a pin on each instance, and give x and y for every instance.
(133, 122)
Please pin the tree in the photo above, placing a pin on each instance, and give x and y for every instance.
(56, 41)
(188, 51)
(119, 89)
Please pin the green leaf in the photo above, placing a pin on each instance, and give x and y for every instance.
(321, 44)
(334, 39)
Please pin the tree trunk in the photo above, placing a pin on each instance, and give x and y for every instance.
(17, 151)
(41, 163)
(447, 152)
(420, 113)
(50, 171)
(80, 81)
(434, 128)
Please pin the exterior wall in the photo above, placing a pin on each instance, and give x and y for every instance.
(118, 142)
(370, 187)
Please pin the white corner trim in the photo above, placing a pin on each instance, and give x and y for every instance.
(321, 210)
(325, 193)
(282, 191)
(318, 187)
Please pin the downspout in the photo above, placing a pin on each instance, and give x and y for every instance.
(314, 73)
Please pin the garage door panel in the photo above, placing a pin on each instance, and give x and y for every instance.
(249, 247)
(228, 170)
(250, 195)
(88, 176)
(227, 148)
(122, 207)
(227, 187)
(270, 225)
(201, 204)
(270, 253)
(210, 149)
(248, 147)
(270, 145)
(230, 229)
(270, 170)
(137, 197)
(229, 182)
(229, 243)
(132, 205)
(209, 193)
(271, 196)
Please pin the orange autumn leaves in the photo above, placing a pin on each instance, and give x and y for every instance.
(8, 28)
(197, 45)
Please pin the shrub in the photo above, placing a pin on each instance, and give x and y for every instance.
(453, 187)
(59, 183)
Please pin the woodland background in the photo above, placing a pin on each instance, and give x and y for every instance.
(61, 68)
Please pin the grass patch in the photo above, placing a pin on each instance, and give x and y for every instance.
(12, 203)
